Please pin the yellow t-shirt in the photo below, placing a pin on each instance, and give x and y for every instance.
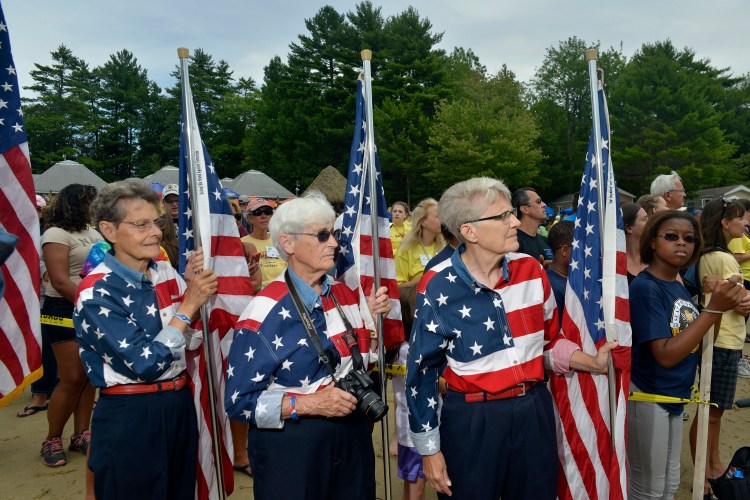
(398, 234)
(271, 265)
(410, 261)
(740, 246)
(732, 331)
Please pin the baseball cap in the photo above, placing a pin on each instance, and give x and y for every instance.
(40, 202)
(244, 199)
(256, 203)
(170, 189)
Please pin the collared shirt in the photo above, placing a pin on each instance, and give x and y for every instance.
(486, 339)
(121, 320)
(272, 354)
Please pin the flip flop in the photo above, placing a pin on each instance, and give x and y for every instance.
(245, 469)
(29, 408)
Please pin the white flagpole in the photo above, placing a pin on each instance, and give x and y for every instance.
(370, 152)
(607, 295)
(201, 226)
(701, 439)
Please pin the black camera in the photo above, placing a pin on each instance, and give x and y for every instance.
(360, 385)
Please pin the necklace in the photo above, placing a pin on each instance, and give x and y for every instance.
(564, 275)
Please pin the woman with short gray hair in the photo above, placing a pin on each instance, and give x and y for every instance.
(299, 339)
(135, 318)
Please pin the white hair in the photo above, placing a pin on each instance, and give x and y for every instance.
(468, 200)
(664, 183)
(294, 216)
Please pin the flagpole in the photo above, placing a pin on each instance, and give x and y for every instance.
(370, 151)
(701, 439)
(591, 57)
(192, 155)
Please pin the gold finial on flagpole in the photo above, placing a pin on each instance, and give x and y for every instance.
(366, 55)
(183, 52)
(592, 54)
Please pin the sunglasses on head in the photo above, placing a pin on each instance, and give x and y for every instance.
(688, 238)
(323, 236)
(262, 211)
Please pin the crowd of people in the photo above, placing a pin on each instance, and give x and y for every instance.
(482, 290)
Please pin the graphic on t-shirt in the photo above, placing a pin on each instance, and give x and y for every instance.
(683, 313)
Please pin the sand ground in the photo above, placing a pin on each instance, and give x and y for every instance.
(23, 475)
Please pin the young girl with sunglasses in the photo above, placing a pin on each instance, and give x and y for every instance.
(721, 221)
(667, 330)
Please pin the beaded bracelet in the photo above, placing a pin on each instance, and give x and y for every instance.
(292, 409)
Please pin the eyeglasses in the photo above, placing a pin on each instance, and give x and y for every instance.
(323, 236)
(169, 202)
(503, 217)
(144, 226)
(677, 191)
(688, 238)
(538, 201)
(262, 211)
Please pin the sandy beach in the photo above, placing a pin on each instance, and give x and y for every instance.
(23, 475)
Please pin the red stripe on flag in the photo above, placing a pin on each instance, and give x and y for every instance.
(226, 246)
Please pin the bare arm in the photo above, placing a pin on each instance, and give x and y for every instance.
(58, 268)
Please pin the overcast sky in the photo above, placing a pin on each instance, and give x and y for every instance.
(247, 33)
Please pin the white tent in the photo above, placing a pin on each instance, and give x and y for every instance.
(165, 175)
(256, 183)
(63, 173)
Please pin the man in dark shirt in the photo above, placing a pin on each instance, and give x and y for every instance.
(530, 211)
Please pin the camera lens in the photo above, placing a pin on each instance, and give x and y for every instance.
(371, 405)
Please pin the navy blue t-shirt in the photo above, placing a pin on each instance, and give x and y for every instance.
(558, 284)
(661, 309)
(534, 245)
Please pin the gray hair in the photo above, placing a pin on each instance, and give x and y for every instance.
(468, 200)
(664, 183)
(106, 206)
(294, 216)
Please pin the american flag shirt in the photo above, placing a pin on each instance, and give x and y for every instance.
(121, 320)
(272, 354)
(480, 339)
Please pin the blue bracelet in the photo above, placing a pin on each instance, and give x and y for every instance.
(292, 408)
(183, 317)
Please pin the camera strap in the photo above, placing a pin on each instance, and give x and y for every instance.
(307, 322)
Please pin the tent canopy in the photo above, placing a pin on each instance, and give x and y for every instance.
(64, 173)
(165, 175)
(256, 183)
(331, 183)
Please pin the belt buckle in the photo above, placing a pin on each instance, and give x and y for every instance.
(522, 385)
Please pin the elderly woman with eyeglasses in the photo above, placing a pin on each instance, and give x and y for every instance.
(134, 319)
(486, 319)
(299, 338)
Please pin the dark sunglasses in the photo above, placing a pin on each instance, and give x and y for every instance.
(503, 217)
(323, 236)
(262, 211)
(688, 238)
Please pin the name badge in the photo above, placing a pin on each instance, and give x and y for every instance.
(424, 259)
(271, 252)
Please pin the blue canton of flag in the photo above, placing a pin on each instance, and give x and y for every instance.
(355, 264)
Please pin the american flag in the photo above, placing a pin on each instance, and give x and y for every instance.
(596, 295)
(20, 330)
(355, 265)
(221, 244)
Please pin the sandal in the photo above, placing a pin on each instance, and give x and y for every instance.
(245, 469)
(30, 410)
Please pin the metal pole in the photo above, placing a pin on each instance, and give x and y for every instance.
(591, 57)
(194, 156)
(374, 219)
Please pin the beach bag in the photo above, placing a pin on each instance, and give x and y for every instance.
(734, 484)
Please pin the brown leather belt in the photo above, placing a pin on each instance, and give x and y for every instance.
(170, 385)
(513, 392)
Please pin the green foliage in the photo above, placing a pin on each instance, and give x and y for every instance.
(666, 114)
(485, 131)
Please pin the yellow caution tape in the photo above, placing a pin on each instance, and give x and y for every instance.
(57, 321)
(657, 398)
(393, 369)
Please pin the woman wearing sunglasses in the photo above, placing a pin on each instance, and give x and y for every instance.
(667, 330)
(259, 212)
(721, 221)
(276, 376)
